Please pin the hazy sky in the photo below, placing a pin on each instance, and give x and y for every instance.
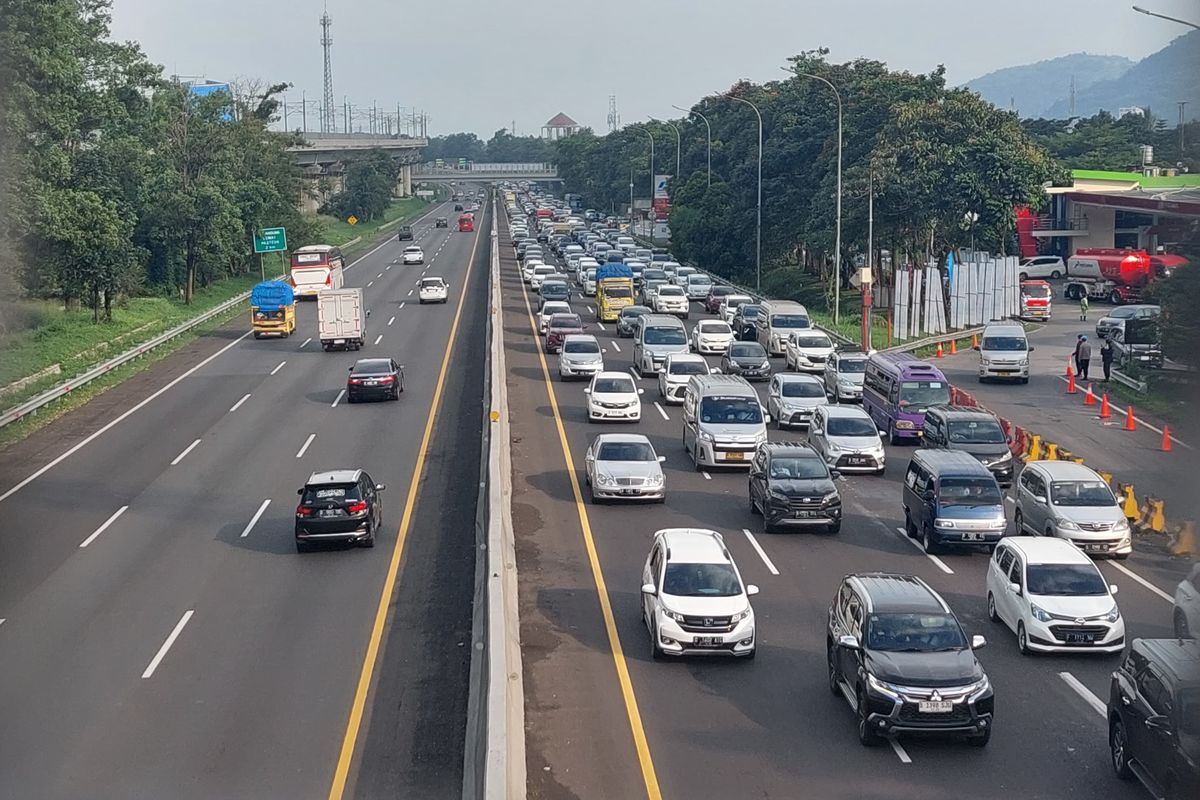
(479, 66)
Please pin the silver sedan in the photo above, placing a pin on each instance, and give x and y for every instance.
(624, 466)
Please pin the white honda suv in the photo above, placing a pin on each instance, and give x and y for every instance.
(693, 598)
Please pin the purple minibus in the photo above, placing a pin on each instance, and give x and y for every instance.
(897, 389)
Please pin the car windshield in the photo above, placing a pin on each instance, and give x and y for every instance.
(749, 311)
(734, 302)
(851, 426)
(747, 350)
(689, 368)
(550, 288)
(618, 291)
(698, 280)
(1065, 579)
(671, 291)
(701, 580)
(720, 291)
(565, 321)
(731, 411)
(855, 366)
(812, 341)
(581, 347)
(330, 493)
(1081, 493)
(372, 366)
(654, 275)
(1004, 343)
(986, 431)
(969, 492)
(714, 327)
(1036, 291)
(914, 633)
(790, 321)
(919, 395)
(626, 451)
(634, 311)
(555, 307)
(803, 388)
(613, 386)
(657, 334)
(1123, 313)
(784, 468)
(430, 283)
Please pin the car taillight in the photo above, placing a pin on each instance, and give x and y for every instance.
(293, 280)
(303, 511)
(357, 508)
(388, 379)
(329, 279)
(355, 381)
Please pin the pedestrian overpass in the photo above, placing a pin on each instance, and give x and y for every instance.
(429, 172)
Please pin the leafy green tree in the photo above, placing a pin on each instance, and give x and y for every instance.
(369, 183)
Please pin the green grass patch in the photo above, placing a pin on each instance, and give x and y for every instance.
(1168, 396)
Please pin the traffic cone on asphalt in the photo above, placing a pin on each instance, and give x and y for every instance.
(1069, 370)
(1130, 423)
(1071, 380)
(974, 341)
(1105, 411)
(1089, 399)
(1166, 442)
(940, 354)
(953, 347)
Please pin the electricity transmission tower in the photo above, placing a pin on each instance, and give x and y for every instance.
(327, 113)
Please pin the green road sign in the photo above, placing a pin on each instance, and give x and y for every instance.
(270, 240)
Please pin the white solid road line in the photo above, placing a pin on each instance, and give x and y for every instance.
(941, 564)
(303, 447)
(186, 450)
(660, 411)
(370, 284)
(901, 753)
(401, 305)
(615, 346)
(306, 341)
(124, 416)
(338, 399)
(104, 527)
(378, 338)
(1142, 581)
(390, 321)
(278, 367)
(162, 651)
(761, 553)
(1085, 693)
(254, 520)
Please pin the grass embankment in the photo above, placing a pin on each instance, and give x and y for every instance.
(43, 335)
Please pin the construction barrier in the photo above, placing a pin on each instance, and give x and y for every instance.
(1129, 503)
(1150, 516)
(1183, 541)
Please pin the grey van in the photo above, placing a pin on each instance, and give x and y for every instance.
(951, 499)
(654, 339)
(971, 431)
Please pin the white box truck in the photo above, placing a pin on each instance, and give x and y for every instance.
(341, 319)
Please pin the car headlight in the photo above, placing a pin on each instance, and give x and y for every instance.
(1024, 362)
(1113, 615)
(1003, 458)
(1067, 525)
(704, 436)
(1040, 614)
(762, 437)
(655, 480)
(944, 523)
(891, 691)
(978, 688)
(831, 499)
(741, 615)
(903, 425)
(605, 480)
(675, 615)
(778, 495)
(849, 384)
(834, 449)
(1121, 525)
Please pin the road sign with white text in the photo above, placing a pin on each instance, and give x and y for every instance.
(270, 240)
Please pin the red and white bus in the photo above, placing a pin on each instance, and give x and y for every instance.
(316, 267)
(466, 223)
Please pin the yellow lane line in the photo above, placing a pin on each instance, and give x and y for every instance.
(354, 723)
(649, 778)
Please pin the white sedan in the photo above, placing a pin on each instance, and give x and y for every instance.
(433, 290)
(413, 255)
(613, 396)
(711, 336)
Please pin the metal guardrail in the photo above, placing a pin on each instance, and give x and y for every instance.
(1133, 383)
(932, 340)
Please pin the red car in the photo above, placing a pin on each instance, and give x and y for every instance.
(715, 295)
(560, 327)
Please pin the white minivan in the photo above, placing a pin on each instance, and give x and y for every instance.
(723, 421)
(778, 321)
(1004, 352)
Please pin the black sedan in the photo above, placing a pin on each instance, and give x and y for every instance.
(375, 379)
(748, 359)
(745, 321)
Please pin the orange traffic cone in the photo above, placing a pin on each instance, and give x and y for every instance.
(974, 341)
(1105, 411)
(940, 354)
(1089, 399)
(953, 347)
(1166, 442)
(1130, 423)
(1069, 370)
(1071, 381)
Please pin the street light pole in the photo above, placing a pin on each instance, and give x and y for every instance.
(1149, 13)
(707, 137)
(758, 224)
(652, 187)
(837, 256)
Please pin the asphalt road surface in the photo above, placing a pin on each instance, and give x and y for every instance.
(159, 634)
(605, 721)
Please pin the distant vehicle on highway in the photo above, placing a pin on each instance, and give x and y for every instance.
(613, 396)
(374, 379)
(723, 421)
(793, 399)
(655, 338)
(316, 268)
(341, 319)
(1115, 320)
(1037, 300)
(1004, 352)
(558, 328)
(745, 321)
(404, 233)
(792, 486)
(625, 320)
(338, 506)
(711, 336)
(549, 310)
(433, 290)
(624, 466)
(717, 293)
(844, 372)
(807, 350)
(728, 306)
(458, 206)
(897, 388)
(951, 500)
(272, 309)
(671, 300)
(898, 655)
(413, 254)
(693, 599)
(747, 359)
(441, 222)
(466, 223)
(581, 357)
(674, 374)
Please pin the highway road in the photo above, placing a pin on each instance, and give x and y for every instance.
(604, 720)
(159, 634)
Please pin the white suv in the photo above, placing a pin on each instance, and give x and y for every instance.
(676, 371)
(693, 598)
(1043, 267)
(1053, 597)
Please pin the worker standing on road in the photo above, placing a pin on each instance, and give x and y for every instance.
(1085, 358)
(1106, 358)
(1078, 342)
(1083, 308)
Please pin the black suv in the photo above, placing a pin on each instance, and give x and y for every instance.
(791, 485)
(971, 431)
(404, 233)
(897, 653)
(441, 222)
(1154, 717)
(340, 505)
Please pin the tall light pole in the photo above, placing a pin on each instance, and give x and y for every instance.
(837, 256)
(1149, 13)
(650, 136)
(707, 137)
(675, 128)
(758, 224)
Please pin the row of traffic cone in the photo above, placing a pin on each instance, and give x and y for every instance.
(954, 346)
(1089, 399)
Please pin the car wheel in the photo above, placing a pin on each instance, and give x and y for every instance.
(909, 528)
(931, 547)
(767, 526)
(1118, 745)
(753, 507)
(982, 739)
(1114, 297)
(303, 547)
(592, 492)
(866, 736)
(1181, 625)
(835, 683)
(351, 398)
(655, 651)
(1055, 274)
(992, 615)
(837, 395)
(1019, 523)
(1022, 640)
(370, 540)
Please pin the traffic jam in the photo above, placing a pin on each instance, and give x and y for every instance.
(731, 445)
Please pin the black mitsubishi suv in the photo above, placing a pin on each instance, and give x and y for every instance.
(898, 655)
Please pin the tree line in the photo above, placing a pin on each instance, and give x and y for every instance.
(116, 179)
(503, 148)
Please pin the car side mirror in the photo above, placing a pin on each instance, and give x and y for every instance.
(928, 496)
(1039, 499)
(767, 419)
(662, 459)
(1015, 588)
(835, 473)
(1113, 588)
(368, 312)
(648, 588)
(350, 369)
(714, 371)
(379, 487)
(300, 490)
(751, 590)
(587, 390)
(641, 391)
(816, 431)
(661, 370)
(977, 642)
(1031, 348)
(849, 641)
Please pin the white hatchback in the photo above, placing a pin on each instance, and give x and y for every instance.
(433, 290)
(711, 336)
(613, 396)
(808, 350)
(413, 255)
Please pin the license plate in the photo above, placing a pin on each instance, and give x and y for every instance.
(1094, 548)
(935, 706)
(735, 456)
(1079, 638)
(370, 383)
(629, 492)
(972, 537)
(339, 341)
(329, 512)
(858, 461)
(808, 514)
(707, 641)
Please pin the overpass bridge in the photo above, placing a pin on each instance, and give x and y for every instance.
(428, 172)
(323, 157)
